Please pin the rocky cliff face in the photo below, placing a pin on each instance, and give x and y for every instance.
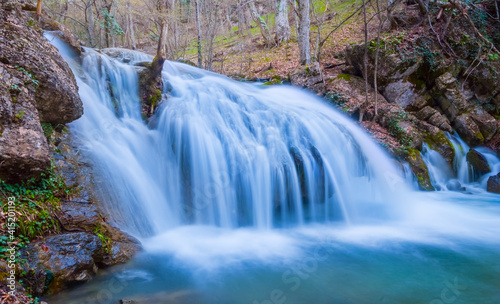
(36, 87)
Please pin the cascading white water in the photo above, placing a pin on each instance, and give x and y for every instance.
(223, 161)
(226, 154)
(461, 176)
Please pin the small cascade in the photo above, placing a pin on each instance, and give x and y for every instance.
(462, 176)
(440, 173)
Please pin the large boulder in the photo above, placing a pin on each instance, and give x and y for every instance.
(478, 162)
(396, 78)
(493, 184)
(468, 130)
(392, 68)
(121, 247)
(61, 261)
(36, 85)
(24, 47)
(79, 215)
(434, 117)
(24, 152)
(348, 92)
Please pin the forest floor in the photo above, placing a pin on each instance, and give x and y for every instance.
(246, 57)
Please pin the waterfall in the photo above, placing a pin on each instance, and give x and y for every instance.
(461, 175)
(244, 193)
(223, 153)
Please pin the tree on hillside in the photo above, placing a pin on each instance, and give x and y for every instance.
(153, 85)
(282, 25)
(39, 4)
(198, 34)
(261, 23)
(304, 29)
(320, 20)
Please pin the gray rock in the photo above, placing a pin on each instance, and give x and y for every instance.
(449, 96)
(468, 130)
(406, 95)
(35, 85)
(454, 185)
(61, 261)
(56, 94)
(121, 248)
(478, 162)
(24, 152)
(79, 215)
(493, 184)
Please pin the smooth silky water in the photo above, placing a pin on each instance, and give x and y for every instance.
(242, 193)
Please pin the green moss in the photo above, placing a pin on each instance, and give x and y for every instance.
(419, 169)
(346, 77)
(19, 116)
(36, 203)
(155, 98)
(48, 129)
(274, 81)
(105, 239)
(439, 141)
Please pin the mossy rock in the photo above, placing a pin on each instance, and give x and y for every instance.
(346, 77)
(273, 81)
(440, 143)
(420, 170)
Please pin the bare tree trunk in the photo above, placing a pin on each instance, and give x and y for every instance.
(496, 8)
(90, 27)
(212, 25)
(282, 25)
(264, 29)
(241, 20)
(161, 51)
(131, 25)
(377, 51)
(365, 65)
(320, 22)
(39, 4)
(151, 91)
(295, 17)
(198, 32)
(304, 24)
(108, 6)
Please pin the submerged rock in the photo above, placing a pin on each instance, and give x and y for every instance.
(478, 162)
(494, 184)
(454, 185)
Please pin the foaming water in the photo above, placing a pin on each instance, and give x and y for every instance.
(226, 154)
(247, 194)
(461, 175)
